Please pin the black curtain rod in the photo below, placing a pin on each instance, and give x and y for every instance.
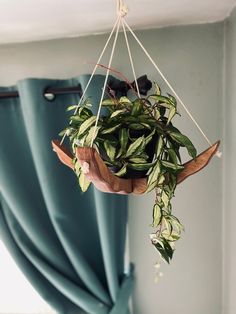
(49, 90)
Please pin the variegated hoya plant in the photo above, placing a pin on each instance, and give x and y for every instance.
(137, 138)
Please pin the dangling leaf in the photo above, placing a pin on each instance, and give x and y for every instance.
(83, 182)
(153, 177)
(165, 198)
(185, 141)
(162, 252)
(156, 215)
(168, 248)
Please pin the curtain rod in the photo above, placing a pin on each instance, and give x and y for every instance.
(50, 90)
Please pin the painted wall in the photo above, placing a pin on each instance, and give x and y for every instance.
(191, 57)
(229, 167)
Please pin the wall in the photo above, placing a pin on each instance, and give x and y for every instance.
(191, 57)
(229, 167)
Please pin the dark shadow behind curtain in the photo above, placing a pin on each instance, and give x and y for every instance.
(69, 244)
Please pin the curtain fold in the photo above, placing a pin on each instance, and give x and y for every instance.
(71, 242)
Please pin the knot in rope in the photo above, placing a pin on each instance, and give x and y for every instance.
(122, 8)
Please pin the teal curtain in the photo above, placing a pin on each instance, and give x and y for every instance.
(70, 245)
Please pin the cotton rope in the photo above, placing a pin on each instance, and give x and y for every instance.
(122, 11)
(105, 81)
(130, 58)
(93, 72)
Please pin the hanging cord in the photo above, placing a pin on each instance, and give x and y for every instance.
(218, 153)
(122, 9)
(105, 81)
(94, 70)
(130, 58)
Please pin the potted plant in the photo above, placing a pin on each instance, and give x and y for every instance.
(136, 138)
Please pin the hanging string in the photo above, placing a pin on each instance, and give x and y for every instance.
(122, 9)
(105, 81)
(218, 153)
(93, 72)
(130, 58)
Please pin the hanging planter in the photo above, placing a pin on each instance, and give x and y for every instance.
(134, 147)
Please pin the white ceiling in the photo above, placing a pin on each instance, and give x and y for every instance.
(33, 20)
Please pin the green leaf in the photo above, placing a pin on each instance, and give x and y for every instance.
(86, 125)
(170, 165)
(157, 89)
(110, 150)
(168, 248)
(137, 160)
(140, 167)
(171, 114)
(162, 252)
(153, 177)
(83, 111)
(185, 141)
(137, 107)
(167, 224)
(136, 126)
(172, 98)
(156, 215)
(83, 182)
(149, 137)
(173, 156)
(92, 134)
(156, 113)
(112, 129)
(174, 236)
(117, 113)
(123, 138)
(125, 100)
(135, 146)
(76, 118)
(109, 102)
(163, 100)
(77, 167)
(122, 171)
(160, 145)
(146, 125)
(73, 107)
(161, 180)
(165, 198)
(63, 132)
